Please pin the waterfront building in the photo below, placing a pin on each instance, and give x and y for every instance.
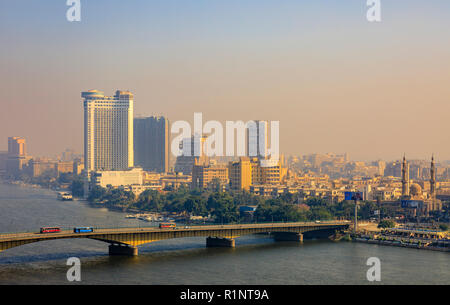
(17, 156)
(151, 143)
(108, 131)
(137, 189)
(117, 178)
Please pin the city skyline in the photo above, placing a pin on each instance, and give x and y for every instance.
(256, 143)
(336, 84)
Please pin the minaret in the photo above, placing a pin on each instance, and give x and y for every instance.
(433, 179)
(405, 177)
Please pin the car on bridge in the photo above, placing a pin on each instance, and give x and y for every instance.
(167, 225)
(50, 230)
(83, 230)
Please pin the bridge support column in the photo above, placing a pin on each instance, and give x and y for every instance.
(288, 236)
(220, 242)
(123, 250)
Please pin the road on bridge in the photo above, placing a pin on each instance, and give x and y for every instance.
(70, 233)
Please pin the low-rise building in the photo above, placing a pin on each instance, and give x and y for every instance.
(205, 175)
(117, 178)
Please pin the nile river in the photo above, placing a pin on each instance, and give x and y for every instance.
(255, 260)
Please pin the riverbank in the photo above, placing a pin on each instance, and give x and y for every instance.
(414, 245)
(415, 238)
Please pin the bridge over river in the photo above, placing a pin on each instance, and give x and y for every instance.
(124, 241)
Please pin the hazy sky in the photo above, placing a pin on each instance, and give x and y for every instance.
(336, 82)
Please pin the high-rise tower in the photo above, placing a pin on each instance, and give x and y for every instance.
(151, 143)
(108, 131)
(16, 157)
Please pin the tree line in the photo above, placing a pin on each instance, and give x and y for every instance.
(223, 207)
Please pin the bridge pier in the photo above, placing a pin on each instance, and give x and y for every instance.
(123, 250)
(220, 242)
(288, 236)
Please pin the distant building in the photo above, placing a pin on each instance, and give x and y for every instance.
(190, 147)
(393, 169)
(17, 157)
(37, 167)
(137, 189)
(16, 146)
(240, 174)
(68, 155)
(413, 196)
(205, 176)
(64, 167)
(78, 166)
(257, 139)
(151, 143)
(248, 172)
(117, 178)
(108, 131)
(175, 180)
(3, 158)
(267, 174)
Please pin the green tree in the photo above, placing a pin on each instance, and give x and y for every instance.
(77, 187)
(443, 227)
(97, 193)
(386, 224)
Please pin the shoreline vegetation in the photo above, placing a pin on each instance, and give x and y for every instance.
(225, 207)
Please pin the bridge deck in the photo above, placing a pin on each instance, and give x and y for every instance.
(70, 233)
(137, 236)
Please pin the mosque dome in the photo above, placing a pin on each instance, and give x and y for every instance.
(415, 190)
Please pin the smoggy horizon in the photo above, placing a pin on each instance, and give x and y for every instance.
(336, 82)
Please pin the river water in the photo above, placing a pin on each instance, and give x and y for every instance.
(255, 260)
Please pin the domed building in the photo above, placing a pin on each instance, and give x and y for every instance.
(413, 195)
(415, 191)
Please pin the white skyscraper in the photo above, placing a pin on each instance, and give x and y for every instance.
(108, 131)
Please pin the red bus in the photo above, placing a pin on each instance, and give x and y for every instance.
(167, 225)
(50, 230)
